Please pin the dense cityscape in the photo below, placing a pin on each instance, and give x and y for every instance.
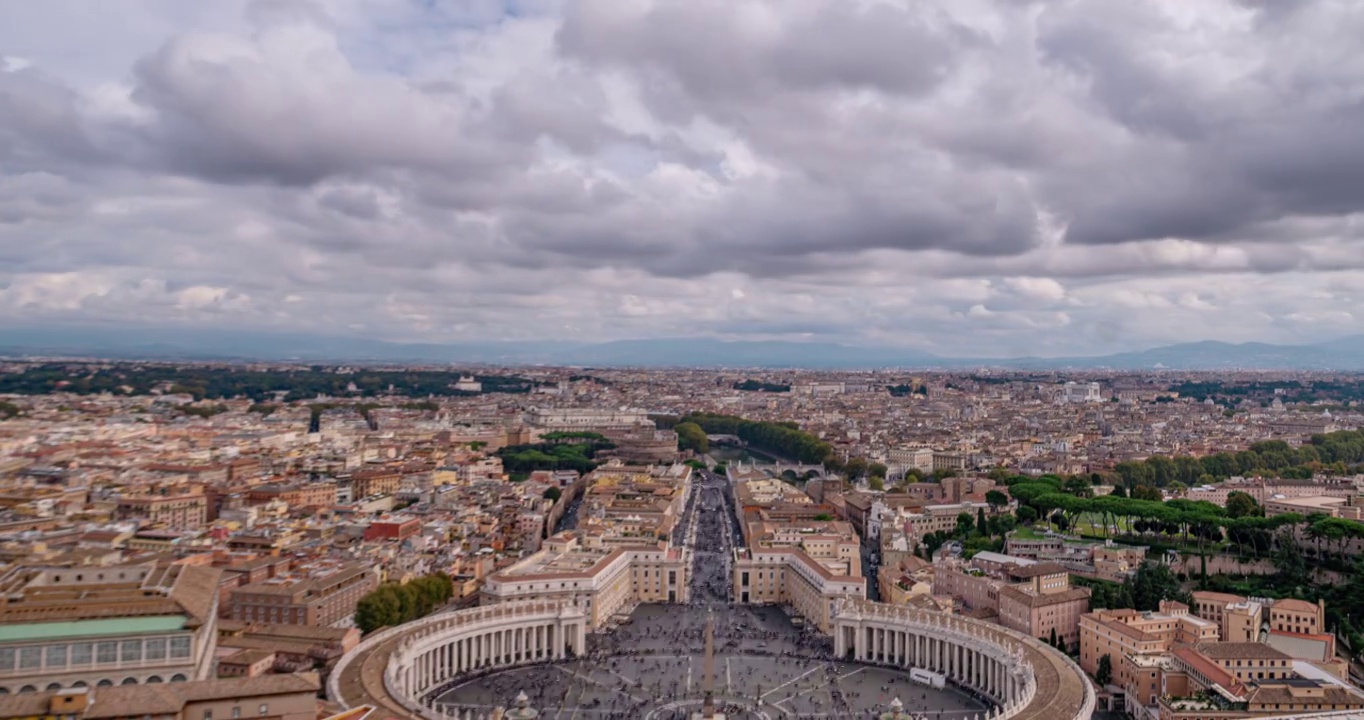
(682, 543)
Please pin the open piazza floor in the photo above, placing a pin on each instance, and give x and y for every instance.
(652, 668)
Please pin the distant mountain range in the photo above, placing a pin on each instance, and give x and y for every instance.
(1345, 354)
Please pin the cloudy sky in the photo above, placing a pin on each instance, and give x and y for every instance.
(983, 177)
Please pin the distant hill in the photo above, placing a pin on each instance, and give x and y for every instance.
(1345, 354)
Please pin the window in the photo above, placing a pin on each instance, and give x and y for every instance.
(236, 712)
(264, 709)
(6, 658)
(208, 715)
(80, 654)
(56, 656)
(179, 647)
(30, 657)
(156, 649)
(131, 650)
(106, 652)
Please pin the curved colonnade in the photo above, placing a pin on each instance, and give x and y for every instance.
(396, 669)
(1027, 679)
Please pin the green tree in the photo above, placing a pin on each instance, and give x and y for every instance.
(552, 493)
(1152, 583)
(964, 525)
(1026, 514)
(1241, 504)
(996, 500)
(1080, 487)
(1146, 492)
(877, 470)
(393, 604)
(379, 608)
(690, 436)
(876, 483)
(1104, 674)
(981, 526)
(1118, 491)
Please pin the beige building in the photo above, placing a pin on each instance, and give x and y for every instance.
(1044, 603)
(98, 626)
(1119, 633)
(268, 697)
(790, 576)
(177, 508)
(324, 599)
(1311, 504)
(1217, 681)
(603, 580)
(1297, 616)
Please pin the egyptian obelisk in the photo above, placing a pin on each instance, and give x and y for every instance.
(708, 675)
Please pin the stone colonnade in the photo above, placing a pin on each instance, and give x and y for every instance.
(484, 638)
(420, 656)
(967, 653)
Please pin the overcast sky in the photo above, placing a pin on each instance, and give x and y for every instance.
(968, 177)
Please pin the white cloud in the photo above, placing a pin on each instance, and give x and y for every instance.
(953, 177)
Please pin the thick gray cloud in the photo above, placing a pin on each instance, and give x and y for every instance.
(974, 176)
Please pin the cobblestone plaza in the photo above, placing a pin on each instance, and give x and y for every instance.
(765, 668)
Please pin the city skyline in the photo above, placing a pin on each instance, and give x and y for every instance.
(964, 179)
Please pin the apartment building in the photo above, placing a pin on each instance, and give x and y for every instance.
(380, 481)
(175, 507)
(909, 457)
(318, 494)
(98, 626)
(311, 597)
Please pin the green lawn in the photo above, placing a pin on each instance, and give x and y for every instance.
(1023, 532)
